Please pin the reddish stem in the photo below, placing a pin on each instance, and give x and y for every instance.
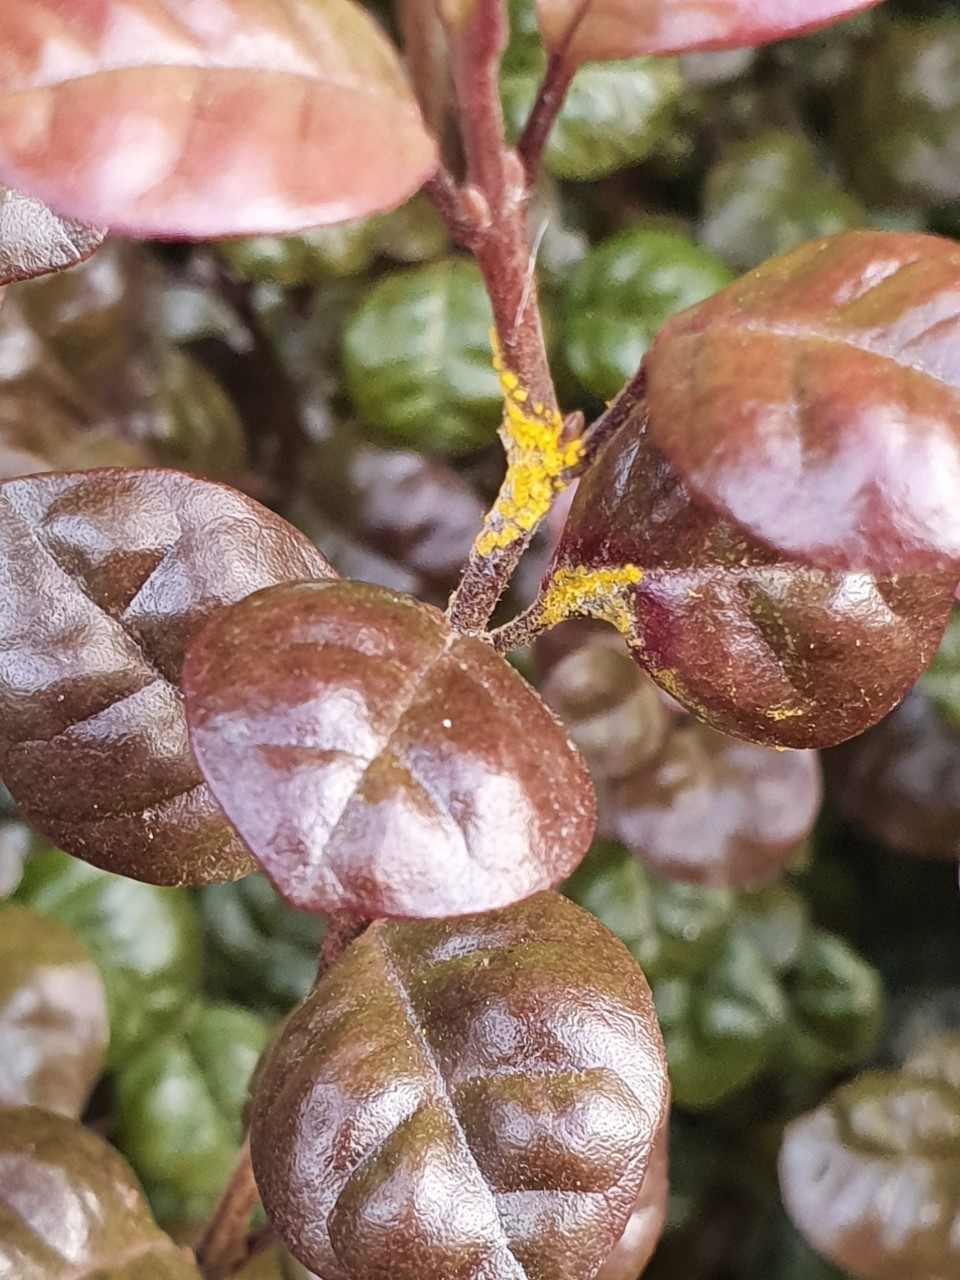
(543, 114)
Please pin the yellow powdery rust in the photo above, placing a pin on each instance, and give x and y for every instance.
(538, 462)
(578, 592)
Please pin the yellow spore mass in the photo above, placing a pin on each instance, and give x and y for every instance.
(576, 591)
(538, 462)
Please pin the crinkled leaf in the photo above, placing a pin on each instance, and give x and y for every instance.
(125, 113)
(713, 810)
(872, 1177)
(53, 1015)
(900, 782)
(758, 646)
(416, 356)
(766, 195)
(180, 1101)
(816, 402)
(106, 576)
(145, 941)
(622, 292)
(378, 762)
(633, 1250)
(34, 240)
(70, 1207)
(623, 28)
(482, 1098)
(613, 115)
(259, 950)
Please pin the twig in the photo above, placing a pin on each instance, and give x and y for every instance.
(629, 401)
(519, 631)
(543, 114)
(222, 1247)
(424, 45)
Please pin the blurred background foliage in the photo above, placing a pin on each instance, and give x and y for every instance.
(802, 934)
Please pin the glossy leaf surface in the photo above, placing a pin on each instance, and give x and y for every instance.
(180, 1101)
(872, 1177)
(624, 28)
(713, 810)
(757, 646)
(124, 112)
(622, 292)
(633, 1250)
(377, 762)
(470, 1098)
(34, 240)
(816, 402)
(417, 359)
(106, 577)
(53, 1015)
(70, 1207)
(144, 940)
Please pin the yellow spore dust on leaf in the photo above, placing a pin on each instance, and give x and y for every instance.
(578, 592)
(539, 462)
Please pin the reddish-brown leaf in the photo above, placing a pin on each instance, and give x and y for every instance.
(470, 1099)
(376, 761)
(601, 30)
(35, 241)
(758, 646)
(716, 811)
(206, 117)
(642, 1232)
(105, 577)
(816, 402)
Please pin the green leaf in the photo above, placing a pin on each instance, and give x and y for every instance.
(766, 195)
(620, 294)
(836, 1002)
(260, 951)
(70, 1208)
(144, 940)
(417, 359)
(53, 1015)
(613, 115)
(180, 1102)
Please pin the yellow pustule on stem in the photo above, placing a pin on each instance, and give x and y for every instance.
(539, 462)
(576, 591)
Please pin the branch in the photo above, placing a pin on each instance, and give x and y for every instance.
(543, 114)
(630, 400)
(223, 1246)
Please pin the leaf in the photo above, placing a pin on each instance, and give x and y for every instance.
(417, 362)
(872, 1177)
(34, 240)
(53, 1015)
(712, 810)
(816, 402)
(766, 195)
(482, 1098)
(898, 112)
(105, 578)
(613, 115)
(70, 1207)
(900, 782)
(376, 761)
(145, 941)
(126, 114)
(635, 1247)
(259, 951)
(758, 646)
(180, 1101)
(624, 28)
(622, 292)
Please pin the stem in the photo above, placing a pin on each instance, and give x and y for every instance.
(222, 1247)
(519, 631)
(424, 45)
(543, 114)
